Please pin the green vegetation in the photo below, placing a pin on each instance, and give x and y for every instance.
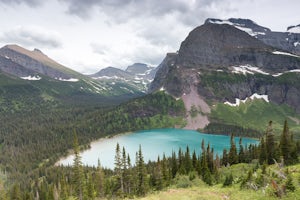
(253, 115)
(240, 171)
(35, 135)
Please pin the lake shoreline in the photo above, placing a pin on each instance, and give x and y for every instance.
(154, 143)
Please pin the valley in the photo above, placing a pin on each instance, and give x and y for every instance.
(229, 79)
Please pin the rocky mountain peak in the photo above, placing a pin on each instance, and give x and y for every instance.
(287, 41)
(246, 25)
(137, 68)
(294, 29)
(215, 45)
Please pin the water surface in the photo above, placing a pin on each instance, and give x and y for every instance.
(153, 142)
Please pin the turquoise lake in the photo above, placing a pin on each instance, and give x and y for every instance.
(153, 142)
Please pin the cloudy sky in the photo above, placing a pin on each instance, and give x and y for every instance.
(87, 35)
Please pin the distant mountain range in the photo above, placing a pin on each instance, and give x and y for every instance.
(138, 75)
(227, 63)
(35, 65)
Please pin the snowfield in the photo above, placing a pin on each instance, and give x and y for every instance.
(252, 97)
(244, 69)
(31, 78)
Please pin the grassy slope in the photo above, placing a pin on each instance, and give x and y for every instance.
(199, 190)
(256, 115)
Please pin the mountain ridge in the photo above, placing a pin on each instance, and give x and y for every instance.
(223, 63)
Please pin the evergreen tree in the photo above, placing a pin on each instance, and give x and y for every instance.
(188, 165)
(99, 182)
(286, 144)
(270, 145)
(130, 176)
(118, 168)
(165, 173)
(194, 160)
(174, 167)
(225, 157)
(141, 189)
(181, 168)
(241, 152)
(91, 192)
(78, 174)
(124, 171)
(232, 156)
(262, 151)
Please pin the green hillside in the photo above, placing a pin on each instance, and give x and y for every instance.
(255, 115)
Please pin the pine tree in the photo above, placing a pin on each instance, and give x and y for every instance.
(225, 158)
(232, 156)
(100, 180)
(181, 168)
(124, 170)
(118, 168)
(241, 152)
(174, 167)
(141, 174)
(91, 192)
(78, 179)
(130, 176)
(188, 165)
(262, 151)
(270, 145)
(285, 144)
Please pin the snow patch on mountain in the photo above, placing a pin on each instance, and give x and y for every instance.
(290, 71)
(31, 78)
(238, 26)
(252, 97)
(284, 53)
(295, 29)
(68, 80)
(244, 69)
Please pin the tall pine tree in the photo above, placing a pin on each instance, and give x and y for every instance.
(78, 174)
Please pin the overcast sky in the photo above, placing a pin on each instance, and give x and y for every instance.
(87, 35)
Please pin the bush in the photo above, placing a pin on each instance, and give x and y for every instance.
(228, 180)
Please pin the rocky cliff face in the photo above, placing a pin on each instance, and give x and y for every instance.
(288, 41)
(36, 62)
(224, 63)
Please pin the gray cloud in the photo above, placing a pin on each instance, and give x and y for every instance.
(31, 37)
(124, 10)
(31, 3)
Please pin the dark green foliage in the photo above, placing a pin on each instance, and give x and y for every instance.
(226, 129)
(228, 180)
(141, 174)
(78, 174)
(289, 184)
(287, 146)
(232, 156)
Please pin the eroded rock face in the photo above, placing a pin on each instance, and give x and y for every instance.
(287, 41)
(33, 61)
(212, 50)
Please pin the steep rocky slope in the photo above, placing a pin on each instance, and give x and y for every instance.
(288, 41)
(223, 63)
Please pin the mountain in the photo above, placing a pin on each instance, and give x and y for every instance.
(35, 62)
(288, 41)
(36, 76)
(219, 68)
(138, 75)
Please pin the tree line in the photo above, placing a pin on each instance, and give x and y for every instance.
(130, 179)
